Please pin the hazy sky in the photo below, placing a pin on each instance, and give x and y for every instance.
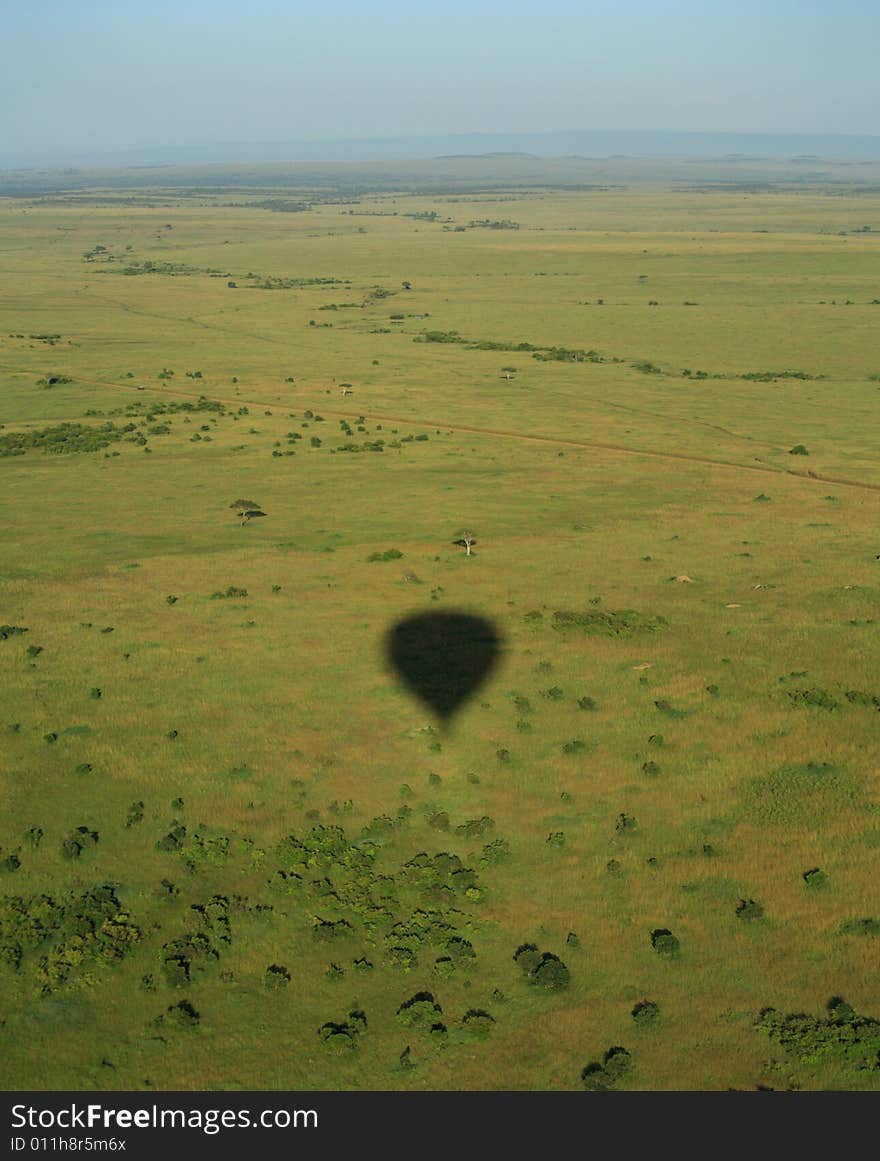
(94, 74)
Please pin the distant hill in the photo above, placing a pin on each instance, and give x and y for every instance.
(588, 144)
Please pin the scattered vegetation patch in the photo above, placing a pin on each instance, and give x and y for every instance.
(843, 1035)
(798, 794)
(623, 623)
(63, 939)
(860, 927)
(60, 439)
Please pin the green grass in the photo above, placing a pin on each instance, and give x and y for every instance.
(719, 711)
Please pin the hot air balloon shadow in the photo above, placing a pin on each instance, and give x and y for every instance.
(443, 658)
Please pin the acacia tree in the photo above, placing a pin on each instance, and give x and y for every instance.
(466, 540)
(246, 509)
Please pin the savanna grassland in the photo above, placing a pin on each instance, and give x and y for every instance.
(236, 851)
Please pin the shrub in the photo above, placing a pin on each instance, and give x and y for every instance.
(276, 976)
(421, 1011)
(664, 942)
(600, 1076)
(816, 878)
(389, 554)
(495, 852)
(645, 1013)
(173, 840)
(543, 969)
(478, 1021)
(857, 697)
(668, 709)
(749, 909)
(527, 956)
(476, 827)
(574, 747)
(550, 972)
(135, 814)
(798, 450)
(860, 927)
(33, 836)
(587, 703)
(328, 929)
(820, 698)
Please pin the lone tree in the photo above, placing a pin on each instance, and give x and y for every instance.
(247, 509)
(466, 540)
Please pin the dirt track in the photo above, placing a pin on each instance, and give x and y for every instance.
(503, 433)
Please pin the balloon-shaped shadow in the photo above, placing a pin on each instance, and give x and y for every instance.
(444, 658)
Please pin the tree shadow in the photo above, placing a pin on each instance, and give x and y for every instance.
(443, 657)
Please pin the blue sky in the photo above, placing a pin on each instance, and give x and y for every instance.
(102, 75)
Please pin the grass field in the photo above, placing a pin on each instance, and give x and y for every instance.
(236, 852)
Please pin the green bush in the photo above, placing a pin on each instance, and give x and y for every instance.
(7, 631)
(478, 1021)
(389, 554)
(135, 814)
(814, 697)
(749, 909)
(543, 969)
(860, 927)
(276, 976)
(576, 746)
(664, 942)
(614, 1066)
(645, 1013)
(420, 1011)
(183, 1014)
